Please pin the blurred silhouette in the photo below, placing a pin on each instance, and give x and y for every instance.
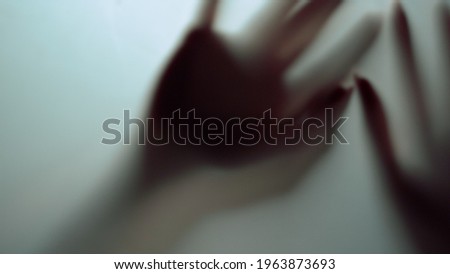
(210, 77)
(424, 201)
(422, 195)
(172, 186)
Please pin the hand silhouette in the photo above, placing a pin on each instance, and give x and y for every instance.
(217, 79)
(178, 184)
(208, 75)
(422, 194)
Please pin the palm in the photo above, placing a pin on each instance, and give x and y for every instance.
(206, 76)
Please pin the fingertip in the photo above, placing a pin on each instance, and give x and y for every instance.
(208, 14)
(366, 89)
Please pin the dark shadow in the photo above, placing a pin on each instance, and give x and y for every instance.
(424, 203)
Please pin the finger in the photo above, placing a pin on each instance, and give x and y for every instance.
(320, 99)
(300, 30)
(445, 22)
(261, 31)
(378, 125)
(405, 53)
(441, 103)
(328, 70)
(381, 135)
(208, 14)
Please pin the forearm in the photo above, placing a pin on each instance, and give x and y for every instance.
(139, 175)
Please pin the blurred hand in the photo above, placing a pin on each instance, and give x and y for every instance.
(217, 78)
(423, 193)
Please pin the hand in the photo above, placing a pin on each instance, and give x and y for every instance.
(218, 79)
(422, 191)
